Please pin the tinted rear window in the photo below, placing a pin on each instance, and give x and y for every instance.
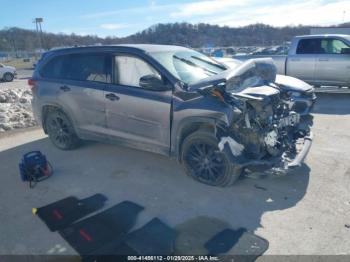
(81, 67)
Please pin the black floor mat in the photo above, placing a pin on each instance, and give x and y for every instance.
(153, 238)
(91, 234)
(62, 213)
(113, 251)
(239, 245)
(249, 247)
(223, 241)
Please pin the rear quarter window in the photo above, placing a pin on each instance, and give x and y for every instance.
(53, 69)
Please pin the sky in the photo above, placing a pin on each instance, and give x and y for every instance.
(122, 18)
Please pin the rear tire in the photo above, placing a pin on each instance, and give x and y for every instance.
(8, 77)
(204, 162)
(61, 131)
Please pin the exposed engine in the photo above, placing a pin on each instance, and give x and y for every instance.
(265, 126)
(261, 128)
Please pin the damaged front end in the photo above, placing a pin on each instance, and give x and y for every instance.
(265, 133)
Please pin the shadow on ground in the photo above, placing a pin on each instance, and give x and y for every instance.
(156, 182)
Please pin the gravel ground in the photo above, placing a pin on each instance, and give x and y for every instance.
(307, 213)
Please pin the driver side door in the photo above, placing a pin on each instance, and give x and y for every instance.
(135, 116)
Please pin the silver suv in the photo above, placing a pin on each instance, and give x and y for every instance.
(174, 101)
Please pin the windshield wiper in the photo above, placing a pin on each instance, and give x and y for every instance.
(209, 62)
(193, 64)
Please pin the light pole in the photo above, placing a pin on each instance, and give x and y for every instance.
(39, 30)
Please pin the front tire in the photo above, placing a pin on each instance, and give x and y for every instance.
(8, 77)
(61, 131)
(205, 163)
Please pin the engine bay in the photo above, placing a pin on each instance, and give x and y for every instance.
(265, 127)
(264, 130)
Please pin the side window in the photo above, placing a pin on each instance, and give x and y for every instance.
(333, 46)
(88, 67)
(310, 46)
(53, 69)
(130, 69)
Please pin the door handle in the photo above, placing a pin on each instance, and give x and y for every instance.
(323, 59)
(295, 59)
(65, 88)
(112, 97)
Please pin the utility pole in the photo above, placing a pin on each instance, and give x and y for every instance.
(12, 41)
(39, 30)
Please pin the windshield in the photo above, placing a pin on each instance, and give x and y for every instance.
(188, 66)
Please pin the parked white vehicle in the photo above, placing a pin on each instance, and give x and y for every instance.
(7, 73)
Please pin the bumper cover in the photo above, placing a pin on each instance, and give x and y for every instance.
(279, 164)
(300, 157)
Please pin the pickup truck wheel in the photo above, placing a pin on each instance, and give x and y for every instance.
(205, 163)
(61, 131)
(8, 77)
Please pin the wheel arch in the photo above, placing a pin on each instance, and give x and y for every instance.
(189, 126)
(51, 107)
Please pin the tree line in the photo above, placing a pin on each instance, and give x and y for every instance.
(185, 34)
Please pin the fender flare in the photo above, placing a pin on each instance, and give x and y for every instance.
(59, 107)
(186, 127)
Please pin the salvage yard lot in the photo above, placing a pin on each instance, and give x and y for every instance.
(304, 213)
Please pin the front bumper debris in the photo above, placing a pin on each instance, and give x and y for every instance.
(303, 105)
(280, 165)
(300, 157)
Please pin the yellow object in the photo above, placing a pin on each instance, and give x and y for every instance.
(34, 210)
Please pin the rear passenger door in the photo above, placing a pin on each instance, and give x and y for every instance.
(136, 116)
(79, 89)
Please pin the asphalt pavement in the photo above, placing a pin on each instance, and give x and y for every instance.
(302, 214)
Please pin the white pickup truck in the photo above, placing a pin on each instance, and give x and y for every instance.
(7, 73)
(320, 60)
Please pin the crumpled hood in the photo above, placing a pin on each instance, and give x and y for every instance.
(288, 83)
(252, 73)
(260, 91)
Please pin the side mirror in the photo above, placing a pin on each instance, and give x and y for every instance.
(345, 51)
(152, 82)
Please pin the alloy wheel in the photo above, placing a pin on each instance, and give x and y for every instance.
(205, 162)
